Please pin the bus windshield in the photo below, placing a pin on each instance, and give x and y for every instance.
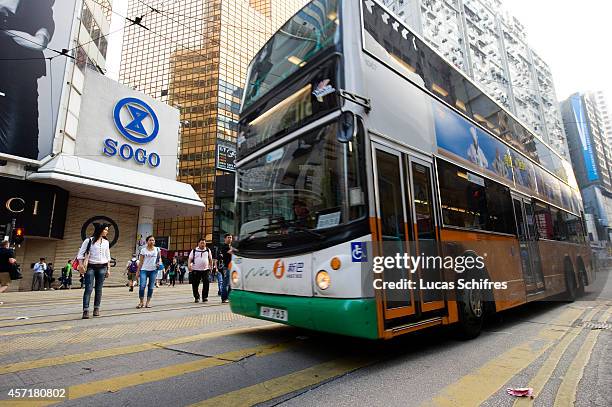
(310, 184)
(311, 30)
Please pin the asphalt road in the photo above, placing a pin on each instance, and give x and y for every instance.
(179, 353)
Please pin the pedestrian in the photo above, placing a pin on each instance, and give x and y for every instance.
(7, 262)
(132, 272)
(160, 274)
(216, 271)
(94, 257)
(223, 264)
(182, 271)
(48, 278)
(150, 258)
(39, 273)
(199, 264)
(67, 275)
(173, 270)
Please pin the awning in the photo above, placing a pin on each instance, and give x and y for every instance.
(95, 180)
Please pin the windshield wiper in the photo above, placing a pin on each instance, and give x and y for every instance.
(283, 223)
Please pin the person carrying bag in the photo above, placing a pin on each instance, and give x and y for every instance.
(94, 258)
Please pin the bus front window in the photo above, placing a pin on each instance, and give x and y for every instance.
(309, 185)
(311, 30)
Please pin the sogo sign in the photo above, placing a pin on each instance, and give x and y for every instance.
(138, 123)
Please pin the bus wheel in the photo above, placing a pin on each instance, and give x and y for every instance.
(570, 287)
(471, 304)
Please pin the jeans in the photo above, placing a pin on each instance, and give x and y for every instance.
(225, 287)
(196, 276)
(151, 275)
(37, 282)
(220, 280)
(97, 273)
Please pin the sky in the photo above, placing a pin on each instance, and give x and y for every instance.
(573, 37)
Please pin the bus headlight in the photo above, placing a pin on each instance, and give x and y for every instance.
(235, 277)
(323, 280)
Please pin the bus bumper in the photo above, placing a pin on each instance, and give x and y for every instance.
(352, 317)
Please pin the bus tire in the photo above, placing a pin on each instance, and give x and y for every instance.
(472, 308)
(570, 286)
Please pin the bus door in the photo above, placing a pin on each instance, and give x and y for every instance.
(528, 245)
(426, 233)
(394, 230)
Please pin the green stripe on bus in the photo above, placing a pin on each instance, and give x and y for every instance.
(352, 317)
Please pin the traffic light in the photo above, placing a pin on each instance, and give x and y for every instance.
(18, 235)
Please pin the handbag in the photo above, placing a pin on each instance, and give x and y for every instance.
(15, 272)
(82, 266)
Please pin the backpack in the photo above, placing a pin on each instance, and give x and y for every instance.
(133, 267)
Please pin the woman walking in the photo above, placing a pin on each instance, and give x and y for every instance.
(150, 258)
(173, 270)
(94, 257)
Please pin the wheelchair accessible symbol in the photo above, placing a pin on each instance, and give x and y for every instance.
(359, 252)
(136, 120)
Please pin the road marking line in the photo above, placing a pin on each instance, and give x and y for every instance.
(282, 385)
(37, 331)
(123, 350)
(550, 364)
(487, 379)
(566, 394)
(118, 383)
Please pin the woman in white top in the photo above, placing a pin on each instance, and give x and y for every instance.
(150, 258)
(97, 251)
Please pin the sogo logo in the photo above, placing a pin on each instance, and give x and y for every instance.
(138, 123)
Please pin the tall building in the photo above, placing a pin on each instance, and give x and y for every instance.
(194, 55)
(591, 158)
(492, 49)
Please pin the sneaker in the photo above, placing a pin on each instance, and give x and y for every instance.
(225, 301)
(131, 289)
(197, 300)
(96, 312)
(85, 314)
(205, 300)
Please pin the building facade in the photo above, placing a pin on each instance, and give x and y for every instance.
(589, 146)
(491, 48)
(104, 153)
(194, 55)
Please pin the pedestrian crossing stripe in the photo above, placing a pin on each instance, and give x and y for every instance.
(119, 383)
(490, 377)
(545, 372)
(124, 350)
(566, 394)
(280, 386)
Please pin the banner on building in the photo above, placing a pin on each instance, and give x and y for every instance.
(32, 35)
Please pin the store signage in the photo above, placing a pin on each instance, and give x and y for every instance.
(138, 123)
(226, 156)
(126, 129)
(39, 209)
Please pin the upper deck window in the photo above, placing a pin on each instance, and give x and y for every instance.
(311, 30)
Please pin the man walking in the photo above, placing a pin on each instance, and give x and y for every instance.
(7, 261)
(223, 262)
(48, 276)
(199, 263)
(39, 272)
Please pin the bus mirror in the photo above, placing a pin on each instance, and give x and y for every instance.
(346, 127)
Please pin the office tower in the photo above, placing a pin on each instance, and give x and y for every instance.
(194, 55)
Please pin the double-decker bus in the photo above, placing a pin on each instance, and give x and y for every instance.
(357, 139)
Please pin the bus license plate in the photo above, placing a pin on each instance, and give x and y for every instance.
(274, 313)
